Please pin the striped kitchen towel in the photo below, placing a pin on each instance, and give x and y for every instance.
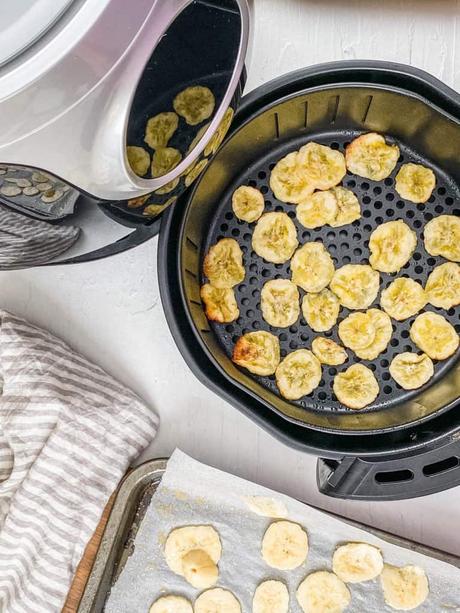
(68, 432)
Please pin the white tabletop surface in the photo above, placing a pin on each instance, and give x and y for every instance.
(111, 311)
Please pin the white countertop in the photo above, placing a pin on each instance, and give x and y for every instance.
(111, 311)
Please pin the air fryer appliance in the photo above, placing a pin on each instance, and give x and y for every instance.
(408, 443)
(78, 81)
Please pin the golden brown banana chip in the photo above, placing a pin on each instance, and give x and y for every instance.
(415, 183)
(356, 387)
(248, 203)
(280, 303)
(290, 181)
(370, 157)
(258, 352)
(321, 310)
(198, 136)
(391, 245)
(135, 203)
(356, 285)
(328, 351)
(442, 237)
(195, 104)
(443, 286)
(164, 160)
(403, 298)
(139, 160)
(298, 374)
(324, 165)
(383, 333)
(434, 335)
(411, 370)
(348, 208)
(223, 265)
(317, 210)
(357, 331)
(220, 303)
(312, 267)
(159, 129)
(275, 237)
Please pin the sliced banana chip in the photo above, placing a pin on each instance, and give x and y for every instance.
(415, 183)
(298, 374)
(443, 286)
(44, 187)
(411, 370)
(23, 183)
(275, 237)
(52, 195)
(323, 592)
(223, 265)
(285, 545)
(30, 191)
(357, 331)
(325, 166)
(312, 267)
(171, 604)
(220, 303)
(199, 135)
(348, 207)
(266, 507)
(199, 569)
(195, 104)
(248, 203)
(139, 160)
(10, 190)
(271, 597)
(356, 285)
(280, 303)
(220, 133)
(195, 172)
(404, 588)
(383, 333)
(328, 351)
(40, 177)
(153, 210)
(391, 245)
(168, 187)
(289, 180)
(356, 387)
(164, 160)
(159, 129)
(135, 203)
(357, 562)
(188, 538)
(442, 237)
(321, 310)
(403, 298)
(370, 157)
(317, 210)
(258, 352)
(434, 335)
(217, 600)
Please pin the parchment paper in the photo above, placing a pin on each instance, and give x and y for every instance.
(192, 493)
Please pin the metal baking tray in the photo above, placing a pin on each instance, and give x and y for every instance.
(132, 500)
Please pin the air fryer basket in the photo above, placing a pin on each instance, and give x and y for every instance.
(331, 114)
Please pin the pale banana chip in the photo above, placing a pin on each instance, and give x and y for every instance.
(298, 374)
(317, 210)
(415, 183)
(404, 588)
(193, 173)
(356, 285)
(164, 160)
(171, 604)
(220, 133)
(275, 237)
(321, 310)
(324, 165)
(248, 203)
(159, 129)
(348, 208)
(220, 303)
(258, 352)
(411, 370)
(323, 592)
(266, 507)
(391, 245)
(217, 600)
(370, 157)
(356, 387)
(442, 237)
(328, 351)
(403, 298)
(188, 538)
(195, 104)
(357, 331)
(383, 333)
(199, 569)
(223, 265)
(139, 160)
(280, 303)
(271, 597)
(290, 181)
(357, 562)
(285, 545)
(312, 267)
(434, 335)
(443, 286)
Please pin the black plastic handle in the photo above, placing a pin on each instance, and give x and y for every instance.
(394, 478)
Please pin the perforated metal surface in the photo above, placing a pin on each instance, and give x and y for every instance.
(348, 244)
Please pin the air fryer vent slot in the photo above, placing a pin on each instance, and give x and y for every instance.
(442, 466)
(394, 476)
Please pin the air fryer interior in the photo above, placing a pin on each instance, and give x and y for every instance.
(331, 115)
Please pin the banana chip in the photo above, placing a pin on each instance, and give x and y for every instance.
(271, 597)
(182, 540)
(312, 267)
(370, 157)
(403, 298)
(289, 180)
(171, 604)
(248, 203)
(442, 237)
(275, 237)
(164, 160)
(324, 165)
(357, 562)
(298, 374)
(411, 370)
(317, 210)
(348, 207)
(434, 335)
(367, 334)
(195, 172)
(415, 183)
(139, 160)
(198, 136)
(220, 133)
(284, 545)
(321, 310)
(258, 352)
(223, 265)
(323, 592)
(391, 245)
(356, 285)
(280, 303)
(195, 104)
(199, 569)
(159, 129)
(217, 600)
(356, 387)
(328, 351)
(220, 303)
(443, 286)
(404, 588)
